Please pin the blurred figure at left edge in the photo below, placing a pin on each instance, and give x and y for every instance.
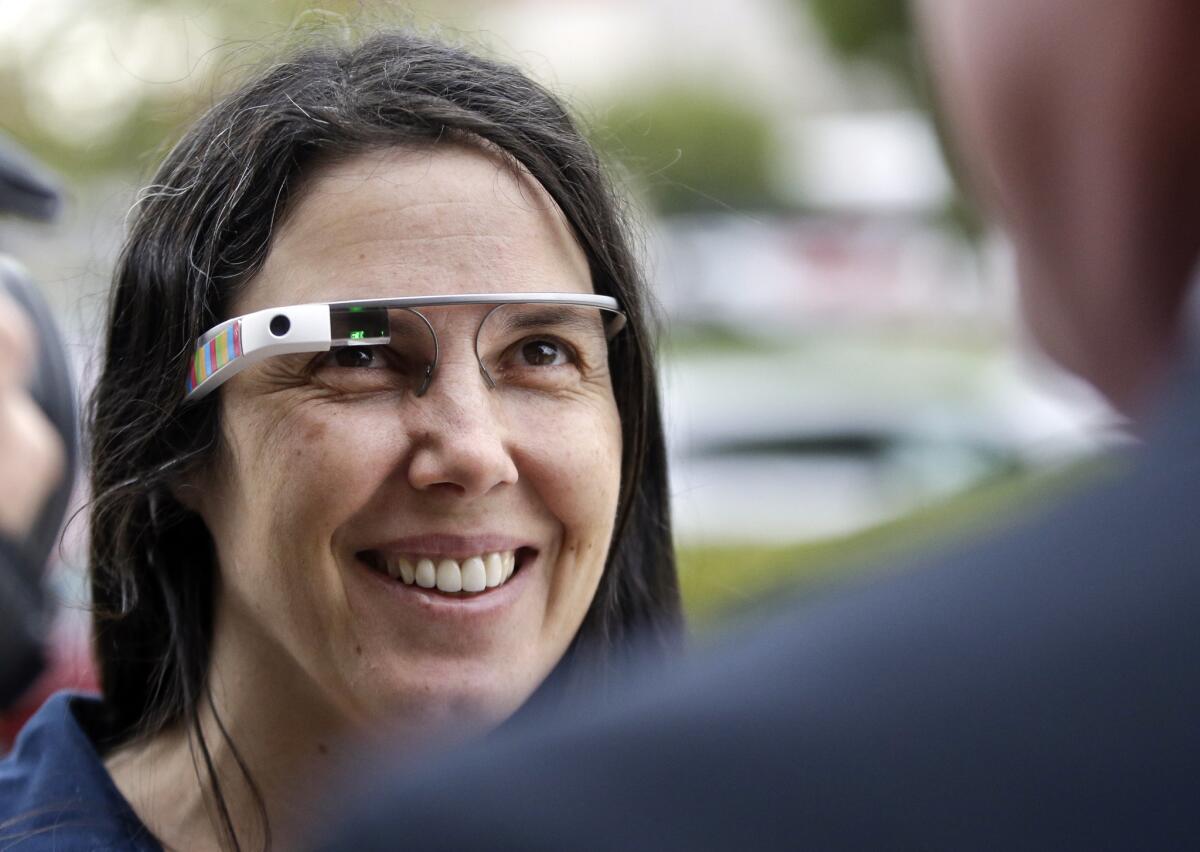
(37, 435)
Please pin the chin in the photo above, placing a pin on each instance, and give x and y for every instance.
(448, 707)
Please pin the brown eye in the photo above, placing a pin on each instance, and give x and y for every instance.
(542, 353)
(354, 356)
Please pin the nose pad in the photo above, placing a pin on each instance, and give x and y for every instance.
(426, 378)
(487, 377)
(431, 365)
(483, 371)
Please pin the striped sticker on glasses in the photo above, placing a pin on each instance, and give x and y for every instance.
(215, 354)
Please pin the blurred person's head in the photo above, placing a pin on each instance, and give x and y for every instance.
(241, 544)
(1078, 126)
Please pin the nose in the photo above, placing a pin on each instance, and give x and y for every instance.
(459, 443)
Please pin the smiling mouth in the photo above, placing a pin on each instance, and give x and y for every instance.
(466, 577)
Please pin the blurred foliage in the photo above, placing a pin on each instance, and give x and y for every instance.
(876, 30)
(728, 582)
(882, 32)
(152, 65)
(691, 150)
(83, 155)
(719, 339)
(687, 148)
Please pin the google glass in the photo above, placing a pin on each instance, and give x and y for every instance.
(580, 321)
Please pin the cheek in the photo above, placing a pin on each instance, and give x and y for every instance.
(338, 448)
(574, 461)
(575, 468)
(289, 478)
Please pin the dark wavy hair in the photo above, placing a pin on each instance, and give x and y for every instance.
(203, 229)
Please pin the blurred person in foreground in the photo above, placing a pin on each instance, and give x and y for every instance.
(375, 450)
(1038, 690)
(38, 429)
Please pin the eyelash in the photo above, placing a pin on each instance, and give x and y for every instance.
(327, 359)
(565, 349)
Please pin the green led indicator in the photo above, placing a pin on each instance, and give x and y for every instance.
(358, 335)
(357, 309)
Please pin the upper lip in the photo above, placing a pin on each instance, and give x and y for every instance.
(450, 545)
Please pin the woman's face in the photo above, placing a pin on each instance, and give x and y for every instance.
(327, 475)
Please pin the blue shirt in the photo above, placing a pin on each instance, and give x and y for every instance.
(55, 793)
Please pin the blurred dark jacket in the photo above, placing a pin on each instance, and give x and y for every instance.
(1039, 690)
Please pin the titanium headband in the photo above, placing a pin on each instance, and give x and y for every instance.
(232, 346)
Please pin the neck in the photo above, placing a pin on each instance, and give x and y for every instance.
(267, 758)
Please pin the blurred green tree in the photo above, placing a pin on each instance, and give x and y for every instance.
(107, 87)
(882, 32)
(876, 30)
(691, 150)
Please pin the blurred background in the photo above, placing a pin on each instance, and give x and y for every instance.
(845, 374)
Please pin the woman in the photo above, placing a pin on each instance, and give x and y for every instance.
(412, 529)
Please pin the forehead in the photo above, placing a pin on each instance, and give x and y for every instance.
(408, 222)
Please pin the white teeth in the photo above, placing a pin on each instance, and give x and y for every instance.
(474, 578)
(449, 576)
(494, 570)
(474, 574)
(426, 574)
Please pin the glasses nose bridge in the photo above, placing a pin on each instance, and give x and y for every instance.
(469, 344)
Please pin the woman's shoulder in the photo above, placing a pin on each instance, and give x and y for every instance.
(54, 790)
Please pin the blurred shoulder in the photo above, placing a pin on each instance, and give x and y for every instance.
(54, 790)
(984, 686)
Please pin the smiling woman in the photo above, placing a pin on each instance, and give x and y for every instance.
(350, 472)
(376, 445)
